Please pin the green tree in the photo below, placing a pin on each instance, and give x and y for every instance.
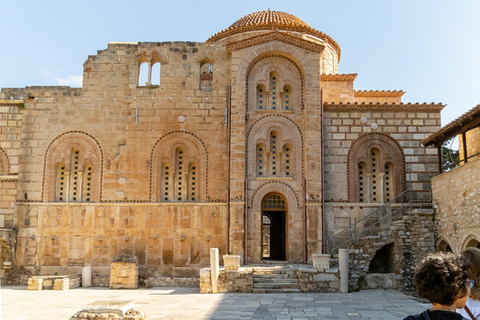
(451, 157)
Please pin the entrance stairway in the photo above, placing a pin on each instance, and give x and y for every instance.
(278, 279)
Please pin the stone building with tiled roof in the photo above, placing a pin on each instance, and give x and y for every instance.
(250, 142)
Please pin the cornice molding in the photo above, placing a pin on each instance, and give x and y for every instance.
(387, 107)
(339, 77)
(377, 93)
(275, 36)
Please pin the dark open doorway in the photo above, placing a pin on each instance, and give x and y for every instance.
(274, 228)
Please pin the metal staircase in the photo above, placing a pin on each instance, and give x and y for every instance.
(372, 224)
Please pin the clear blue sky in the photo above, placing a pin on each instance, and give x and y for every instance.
(428, 48)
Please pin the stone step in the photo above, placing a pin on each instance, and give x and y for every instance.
(273, 271)
(274, 280)
(276, 291)
(275, 276)
(275, 285)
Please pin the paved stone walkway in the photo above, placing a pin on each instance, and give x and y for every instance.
(186, 303)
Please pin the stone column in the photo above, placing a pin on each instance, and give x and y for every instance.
(214, 268)
(87, 276)
(343, 264)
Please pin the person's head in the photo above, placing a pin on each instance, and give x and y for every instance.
(443, 278)
(473, 255)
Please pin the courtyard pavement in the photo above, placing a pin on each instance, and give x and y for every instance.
(18, 303)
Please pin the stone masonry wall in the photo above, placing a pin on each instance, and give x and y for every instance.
(456, 196)
(407, 128)
(413, 238)
(168, 240)
(10, 133)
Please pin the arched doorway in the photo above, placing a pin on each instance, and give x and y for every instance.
(473, 243)
(274, 227)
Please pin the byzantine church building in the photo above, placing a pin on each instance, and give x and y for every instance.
(250, 142)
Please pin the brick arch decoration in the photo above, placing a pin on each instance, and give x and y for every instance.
(468, 239)
(59, 151)
(4, 162)
(275, 187)
(143, 55)
(164, 150)
(289, 132)
(390, 150)
(276, 49)
(289, 74)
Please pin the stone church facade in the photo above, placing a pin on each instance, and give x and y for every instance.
(250, 142)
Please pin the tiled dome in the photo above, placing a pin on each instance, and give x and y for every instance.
(272, 20)
(269, 18)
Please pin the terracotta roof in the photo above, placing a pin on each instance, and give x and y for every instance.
(388, 107)
(339, 77)
(467, 121)
(376, 93)
(273, 20)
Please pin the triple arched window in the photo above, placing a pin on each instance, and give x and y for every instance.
(376, 181)
(179, 182)
(376, 169)
(276, 95)
(274, 159)
(74, 179)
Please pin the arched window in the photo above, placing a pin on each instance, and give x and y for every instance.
(167, 188)
(73, 170)
(261, 158)
(149, 73)
(144, 74)
(74, 179)
(375, 182)
(180, 182)
(287, 164)
(376, 169)
(261, 97)
(155, 74)
(277, 161)
(275, 96)
(287, 97)
(206, 76)
(275, 103)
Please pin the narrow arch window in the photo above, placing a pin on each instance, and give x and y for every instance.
(374, 176)
(180, 190)
(192, 183)
(273, 172)
(287, 97)
(275, 102)
(261, 158)
(388, 183)
(180, 180)
(87, 182)
(261, 97)
(74, 182)
(206, 76)
(61, 183)
(287, 161)
(376, 182)
(155, 74)
(166, 183)
(362, 168)
(143, 75)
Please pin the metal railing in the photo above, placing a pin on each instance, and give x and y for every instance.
(380, 217)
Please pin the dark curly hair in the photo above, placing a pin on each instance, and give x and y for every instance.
(442, 278)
